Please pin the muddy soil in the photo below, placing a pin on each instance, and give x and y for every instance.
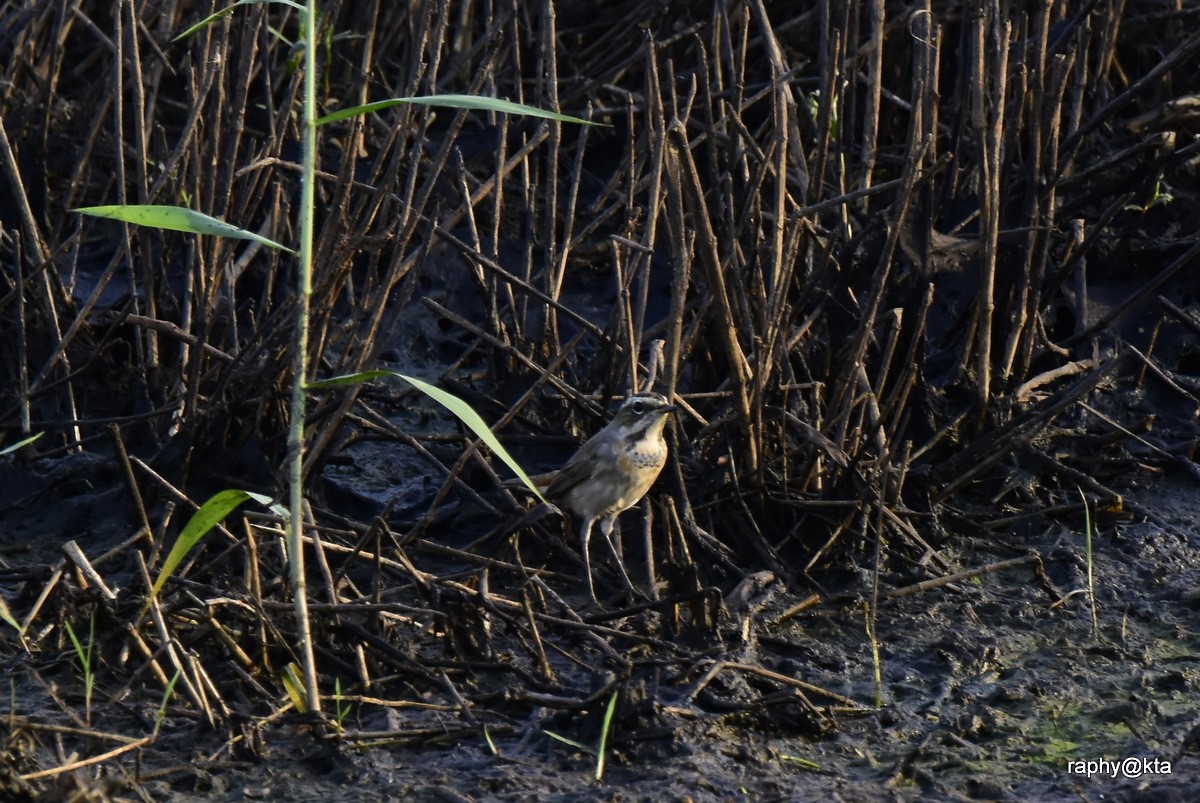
(995, 686)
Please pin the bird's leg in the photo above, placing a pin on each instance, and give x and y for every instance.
(585, 535)
(606, 527)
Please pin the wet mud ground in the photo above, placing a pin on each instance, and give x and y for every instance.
(991, 685)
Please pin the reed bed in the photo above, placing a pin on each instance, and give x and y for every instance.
(902, 267)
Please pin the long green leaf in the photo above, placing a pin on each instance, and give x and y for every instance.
(210, 514)
(448, 400)
(211, 18)
(454, 102)
(176, 218)
(19, 444)
(350, 379)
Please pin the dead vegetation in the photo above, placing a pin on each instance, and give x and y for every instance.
(897, 257)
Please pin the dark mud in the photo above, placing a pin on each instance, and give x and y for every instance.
(992, 686)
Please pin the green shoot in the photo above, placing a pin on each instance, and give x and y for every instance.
(294, 686)
(601, 748)
(341, 708)
(6, 615)
(161, 714)
(813, 104)
(1091, 585)
(874, 656)
(803, 763)
(1159, 198)
(84, 654)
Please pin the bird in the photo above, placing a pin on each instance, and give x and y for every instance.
(612, 471)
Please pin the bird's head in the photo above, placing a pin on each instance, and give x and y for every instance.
(642, 413)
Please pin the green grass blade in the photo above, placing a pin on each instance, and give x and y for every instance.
(6, 616)
(74, 639)
(603, 746)
(1091, 582)
(803, 763)
(350, 379)
(477, 102)
(176, 218)
(448, 400)
(211, 18)
(162, 709)
(19, 444)
(495, 751)
(580, 745)
(210, 514)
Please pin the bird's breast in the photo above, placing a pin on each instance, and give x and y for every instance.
(642, 468)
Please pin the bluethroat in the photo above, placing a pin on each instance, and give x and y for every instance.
(612, 471)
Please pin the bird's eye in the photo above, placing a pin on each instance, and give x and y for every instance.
(639, 407)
